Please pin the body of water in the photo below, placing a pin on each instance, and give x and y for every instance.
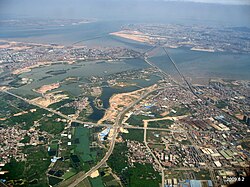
(201, 64)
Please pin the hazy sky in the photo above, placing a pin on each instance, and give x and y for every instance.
(233, 2)
(133, 10)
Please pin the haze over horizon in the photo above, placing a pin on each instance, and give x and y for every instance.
(222, 13)
(229, 2)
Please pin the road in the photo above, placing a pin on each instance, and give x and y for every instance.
(145, 126)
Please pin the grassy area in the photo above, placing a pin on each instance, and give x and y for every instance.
(140, 175)
(143, 175)
(27, 120)
(186, 142)
(118, 159)
(26, 139)
(221, 104)
(81, 140)
(51, 126)
(16, 170)
(69, 173)
(180, 111)
(84, 183)
(87, 157)
(110, 181)
(34, 169)
(96, 182)
(137, 120)
(61, 103)
(134, 134)
(6, 109)
(161, 124)
(203, 175)
(11, 105)
(153, 136)
(67, 110)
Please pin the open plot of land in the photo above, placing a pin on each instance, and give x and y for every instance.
(81, 140)
(137, 120)
(51, 125)
(50, 98)
(160, 124)
(134, 134)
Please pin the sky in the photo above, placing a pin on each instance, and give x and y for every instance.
(226, 12)
(232, 2)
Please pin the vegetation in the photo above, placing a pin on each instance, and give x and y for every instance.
(96, 182)
(26, 139)
(202, 175)
(81, 142)
(33, 171)
(118, 159)
(221, 104)
(61, 103)
(140, 175)
(109, 180)
(16, 169)
(69, 173)
(134, 134)
(51, 126)
(11, 105)
(153, 136)
(67, 110)
(180, 111)
(160, 124)
(143, 175)
(137, 120)
(27, 120)
(185, 142)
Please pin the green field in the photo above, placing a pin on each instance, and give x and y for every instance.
(11, 105)
(110, 181)
(69, 173)
(82, 148)
(34, 169)
(180, 111)
(60, 103)
(221, 104)
(67, 110)
(50, 125)
(140, 175)
(137, 120)
(161, 124)
(26, 139)
(96, 182)
(27, 120)
(153, 136)
(134, 134)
